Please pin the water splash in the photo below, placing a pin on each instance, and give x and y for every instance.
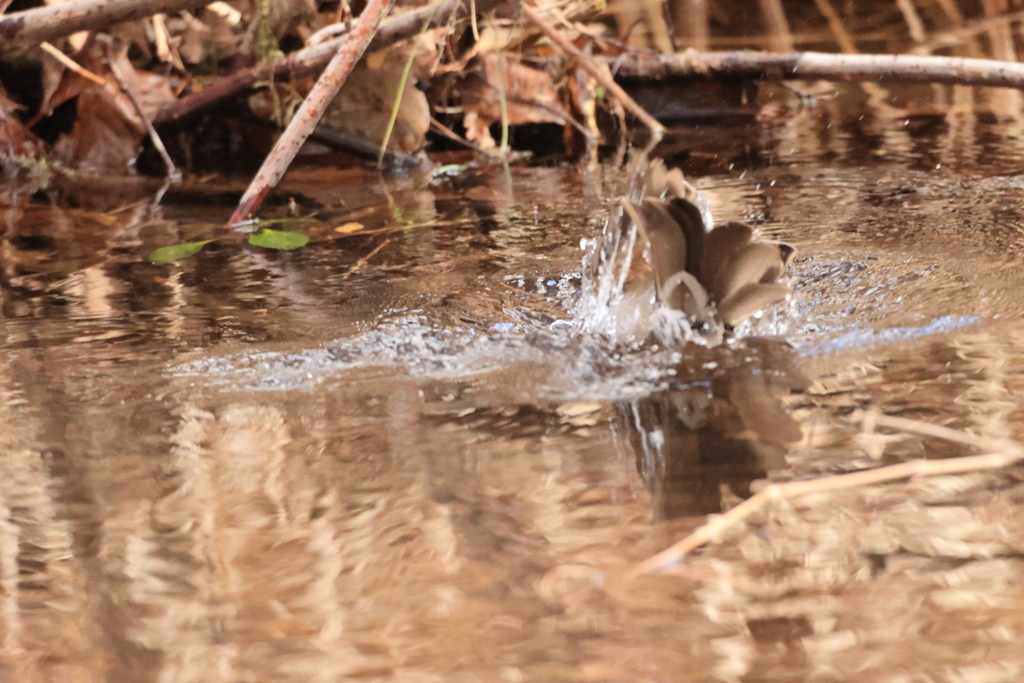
(607, 308)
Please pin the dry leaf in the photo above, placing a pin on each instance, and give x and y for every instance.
(102, 139)
(529, 93)
(349, 228)
(191, 36)
(107, 129)
(151, 90)
(15, 139)
(363, 106)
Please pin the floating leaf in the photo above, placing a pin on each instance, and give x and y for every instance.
(176, 252)
(349, 228)
(284, 240)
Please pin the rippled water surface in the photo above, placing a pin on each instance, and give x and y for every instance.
(400, 454)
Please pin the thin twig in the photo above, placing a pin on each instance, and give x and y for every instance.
(655, 15)
(366, 259)
(598, 72)
(108, 87)
(173, 174)
(835, 24)
(779, 36)
(817, 65)
(444, 130)
(938, 431)
(499, 69)
(401, 93)
(309, 113)
(1003, 454)
(913, 19)
(309, 60)
(391, 159)
(72, 64)
(962, 33)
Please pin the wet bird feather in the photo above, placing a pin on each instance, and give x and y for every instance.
(719, 274)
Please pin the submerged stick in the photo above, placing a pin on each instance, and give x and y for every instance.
(1003, 453)
(821, 66)
(309, 113)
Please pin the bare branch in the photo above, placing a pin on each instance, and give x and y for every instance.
(309, 113)
(817, 65)
(597, 72)
(21, 30)
(305, 62)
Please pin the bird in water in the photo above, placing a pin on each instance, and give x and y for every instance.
(719, 275)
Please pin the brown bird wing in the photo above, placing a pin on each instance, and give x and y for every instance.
(740, 274)
(749, 299)
(662, 181)
(720, 246)
(683, 293)
(690, 221)
(667, 243)
(749, 263)
(674, 232)
(691, 266)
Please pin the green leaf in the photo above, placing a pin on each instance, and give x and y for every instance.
(176, 252)
(279, 239)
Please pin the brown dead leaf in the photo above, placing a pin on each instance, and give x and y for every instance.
(15, 139)
(107, 129)
(349, 228)
(192, 36)
(135, 34)
(218, 35)
(529, 94)
(427, 60)
(151, 90)
(103, 140)
(363, 106)
(53, 76)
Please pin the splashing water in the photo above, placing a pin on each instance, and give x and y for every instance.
(606, 308)
(604, 332)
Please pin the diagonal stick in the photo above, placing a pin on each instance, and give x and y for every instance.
(309, 113)
(1003, 453)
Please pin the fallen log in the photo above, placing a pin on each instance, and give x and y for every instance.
(811, 66)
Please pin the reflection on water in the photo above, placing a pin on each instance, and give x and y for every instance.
(362, 459)
(724, 424)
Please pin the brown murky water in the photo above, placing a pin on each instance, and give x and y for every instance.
(361, 459)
